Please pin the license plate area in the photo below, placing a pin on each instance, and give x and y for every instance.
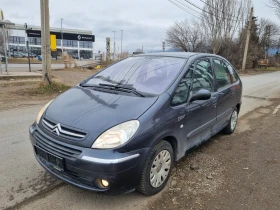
(53, 160)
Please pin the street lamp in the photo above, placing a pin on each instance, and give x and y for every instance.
(121, 42)
(114, 44)
(61, 39)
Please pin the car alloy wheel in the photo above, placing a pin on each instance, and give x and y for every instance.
(234, 118)
(160, 168)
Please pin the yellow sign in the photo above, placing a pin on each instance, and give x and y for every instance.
(53, 42)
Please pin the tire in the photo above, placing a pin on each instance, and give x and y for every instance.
(155, 174)
(230, 128)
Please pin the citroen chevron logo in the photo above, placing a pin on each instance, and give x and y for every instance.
(56, 129)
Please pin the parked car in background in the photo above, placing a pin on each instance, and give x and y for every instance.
(122, 128)
(31, 55)
(16, 54)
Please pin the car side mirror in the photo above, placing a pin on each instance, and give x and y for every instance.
(202, 94)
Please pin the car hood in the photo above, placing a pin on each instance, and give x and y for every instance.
(95, 112)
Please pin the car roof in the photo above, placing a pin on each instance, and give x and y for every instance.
(177, 54)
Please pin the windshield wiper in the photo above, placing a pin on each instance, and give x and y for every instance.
(124, 88)
(88, 85)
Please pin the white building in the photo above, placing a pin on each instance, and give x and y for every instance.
(78, 43)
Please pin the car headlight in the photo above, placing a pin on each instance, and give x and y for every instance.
(117, 135)
(42, 112)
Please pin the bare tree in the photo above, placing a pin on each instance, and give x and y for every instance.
(275, 5)
(1, 42)
(185, 36)
(221, 20)
(268, 32)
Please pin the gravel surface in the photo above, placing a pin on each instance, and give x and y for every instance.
(240, 171)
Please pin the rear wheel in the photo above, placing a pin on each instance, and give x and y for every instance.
(229, 129)
(157, 169)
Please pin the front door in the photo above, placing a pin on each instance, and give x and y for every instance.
(195, 119)
(201, 113)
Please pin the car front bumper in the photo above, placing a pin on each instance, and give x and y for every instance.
(89, 166)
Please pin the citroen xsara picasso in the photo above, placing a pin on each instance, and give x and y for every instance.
(122, 128)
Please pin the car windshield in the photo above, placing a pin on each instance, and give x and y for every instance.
(152, 75)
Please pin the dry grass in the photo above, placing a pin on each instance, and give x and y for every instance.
(40, 89)
(54, 87)
(32, 61)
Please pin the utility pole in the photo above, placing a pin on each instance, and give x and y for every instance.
(45, 40)
(247, 40)
(163, 46)
(108, 49)
(114, 44)
(142, 48)
(27, 46)
(268, 39)
(121, 42)
(5, 48)
(61, 39)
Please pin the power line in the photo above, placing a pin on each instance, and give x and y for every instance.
(209, 12)
(184, 9)
(219, 10)
(185, 5)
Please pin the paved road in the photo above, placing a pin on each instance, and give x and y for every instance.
(36, 67)
(22, 179)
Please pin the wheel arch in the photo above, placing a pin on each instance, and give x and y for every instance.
(174, 143)
(238, 106)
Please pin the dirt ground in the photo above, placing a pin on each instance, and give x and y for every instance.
(231, 172)
(11, 91)
(257, 71)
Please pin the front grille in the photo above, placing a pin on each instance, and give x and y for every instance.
(55, 147)
(61, 131)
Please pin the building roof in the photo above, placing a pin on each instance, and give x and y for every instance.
(64, 30)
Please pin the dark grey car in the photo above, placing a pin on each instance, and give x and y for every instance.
(122, 128)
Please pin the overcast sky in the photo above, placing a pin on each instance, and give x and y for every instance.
(143, 22)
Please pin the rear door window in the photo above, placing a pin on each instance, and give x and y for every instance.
(223, 76)
(232, 72)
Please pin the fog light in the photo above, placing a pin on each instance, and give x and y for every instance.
(104, 183)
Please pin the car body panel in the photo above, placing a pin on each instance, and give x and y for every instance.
(84, 109)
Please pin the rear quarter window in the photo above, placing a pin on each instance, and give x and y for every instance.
(235, 77)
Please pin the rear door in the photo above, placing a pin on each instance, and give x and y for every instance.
(226, 93)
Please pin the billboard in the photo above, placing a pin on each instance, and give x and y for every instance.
(68, 36)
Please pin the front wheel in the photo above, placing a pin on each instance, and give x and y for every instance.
(229, 129)
(157, 169)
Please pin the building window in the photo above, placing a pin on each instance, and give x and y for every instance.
(17, 40)
(34, 41)
(58, 42)
(85, 44)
